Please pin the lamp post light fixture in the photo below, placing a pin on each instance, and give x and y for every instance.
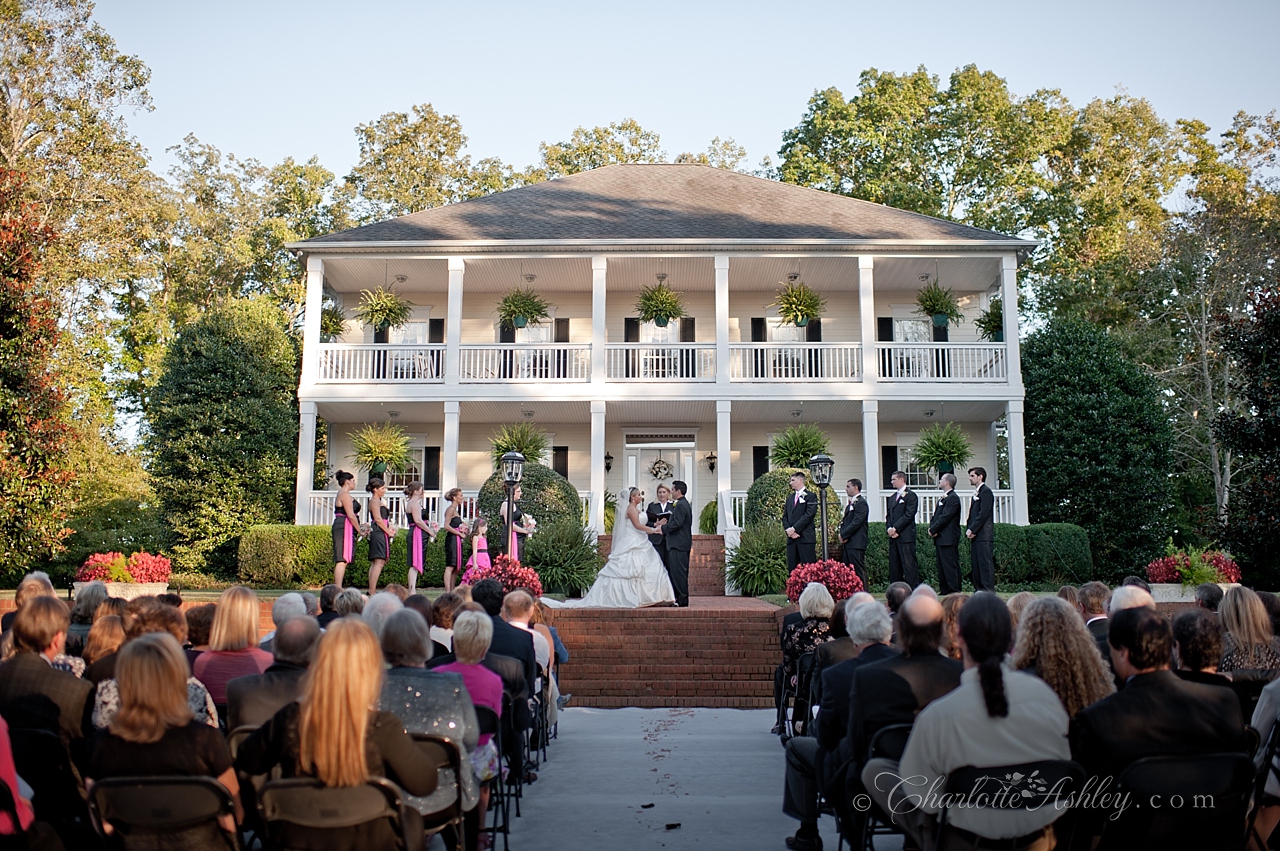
(820, 466)
(512, 472)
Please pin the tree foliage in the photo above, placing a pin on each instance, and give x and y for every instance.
(1097, 444)
(224, 431)
(620, 142)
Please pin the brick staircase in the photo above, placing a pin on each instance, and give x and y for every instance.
(719, 652)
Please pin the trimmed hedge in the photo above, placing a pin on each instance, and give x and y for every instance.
(287, 556)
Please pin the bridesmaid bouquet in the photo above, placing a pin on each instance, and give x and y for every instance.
(530, 524)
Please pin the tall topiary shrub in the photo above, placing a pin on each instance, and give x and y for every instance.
(224, 432)
(548, 496)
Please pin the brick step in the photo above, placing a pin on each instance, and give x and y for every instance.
(675, 702)
(663, 690)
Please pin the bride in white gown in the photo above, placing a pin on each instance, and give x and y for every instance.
(634, 576)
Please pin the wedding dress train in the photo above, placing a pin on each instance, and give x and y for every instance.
(632, 578)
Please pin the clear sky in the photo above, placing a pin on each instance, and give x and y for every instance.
(276, 78)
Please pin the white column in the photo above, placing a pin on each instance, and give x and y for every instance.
(1009, 305)
(599, 334)
(306, 462)
(867, 313)
(724, 478)
(597, 468)
(722, 323)
(453, 325)
(871, 453)
(311, 321)
(1018, 462)
(449, 452)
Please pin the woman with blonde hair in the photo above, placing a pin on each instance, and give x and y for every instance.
(1016, 605)
(233, 643)
(105, 637)
(90, 596)
(1053, 643)
(951, 606)
(153, 733)
(335, 733)
(1249, 642)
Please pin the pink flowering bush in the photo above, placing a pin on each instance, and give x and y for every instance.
(114, 567)
(838, 577)
(509, 572)
(1194, 568)
(145, 567)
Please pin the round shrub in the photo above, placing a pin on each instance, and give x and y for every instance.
(548, 497)
(758, 565)
(564, 554)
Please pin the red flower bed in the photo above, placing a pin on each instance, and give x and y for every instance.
(1173, 568)
(145, 567)
(509, 572)
(98, 567)
(114, 567)
(838, 577)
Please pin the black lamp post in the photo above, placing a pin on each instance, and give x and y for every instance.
(820, 466)
(512, 472)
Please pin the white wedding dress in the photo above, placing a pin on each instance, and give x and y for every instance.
(632, 578)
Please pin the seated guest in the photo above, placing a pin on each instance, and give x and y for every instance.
(153, 732)
(153, 618)
(400, 592)
(1016, 604)
(1094, 599)
(537, 622)
(1271, 603)
(1198, 638)
(253, 699)
(472, 633)
(34, 584)
(1264, 720)
(105, 637)
(34, 695)
(1053, 643)
(507, 639)
(1155, 714)
(105, 667)
(1072, 595)
(312, 602)
(517, 610)
(328, 594)
(1209, 596)
(895, 595)
(442, 614)
(814, 628)
(1249, 642)
(333, 733)
(996, 717)
(380, 607)
(111, 606)
(348, 603)
(199, 626)
(1129, 597)
(810, 761)
(841, 648)
(91, 595)
(1136, 581)
(284, 609)
(27, 833)
(233, 643)
(951, 606)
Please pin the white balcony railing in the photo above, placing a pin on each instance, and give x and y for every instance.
(344, 362)
(660, 361)
(929, 500)
(320, 505)
(793, 361)
(738, 508)
(565, 362)
(950, 362)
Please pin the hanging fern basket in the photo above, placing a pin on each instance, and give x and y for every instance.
(802, 321)
(946, 467)
(940, 320)
(661, 321)
(378, 468)
(520, 321)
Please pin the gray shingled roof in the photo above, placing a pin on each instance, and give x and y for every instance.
(659, 202)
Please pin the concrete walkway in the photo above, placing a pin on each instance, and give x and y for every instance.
(661, 779)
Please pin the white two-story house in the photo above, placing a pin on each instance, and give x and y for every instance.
(705, 394)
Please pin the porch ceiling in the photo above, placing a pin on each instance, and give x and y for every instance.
(961, 412)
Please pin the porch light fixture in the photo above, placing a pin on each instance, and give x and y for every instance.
(393, 414)
(796, 413)
(820, 466)
(608, 463)
(662, 277)
(529, 277)
(793, 277)
(711, 461)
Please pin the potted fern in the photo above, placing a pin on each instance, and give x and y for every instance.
(382, 309)
(797, 303)
(525, 438)
(659, 304)
(990, 323)
(522, 306)
(938, 303)
(942, 448)
(333, 323)
(379, 447)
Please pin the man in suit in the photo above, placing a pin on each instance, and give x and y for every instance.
(945, 531)
(678, 532)
(797, 520)
(981, 531)
(252, 700)
(853, 530)
(901, 528)
(507, 639)
(811, 761)
(654, 511)
(1095, 598)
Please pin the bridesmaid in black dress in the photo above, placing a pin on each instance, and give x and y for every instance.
(382, 534)
(455, 532)
(346, 526)
(517, 531)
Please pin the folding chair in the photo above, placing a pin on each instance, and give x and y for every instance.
(1260, 797)
(297, 812)
(43, 761)
(163, 812)
(1214, 789)
(887, 743)
(795, 698)
(1026, 786)
(446, 754)
(498, 802)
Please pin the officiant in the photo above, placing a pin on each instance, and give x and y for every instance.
(656, 510)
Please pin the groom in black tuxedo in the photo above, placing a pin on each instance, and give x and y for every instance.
(679, 535)
(654, 511)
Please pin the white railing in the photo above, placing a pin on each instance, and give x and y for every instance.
(738, 508)
(660, 361)
(942, 362)
(320, 505)
(341, 362)
(792, 361)
(526, 362)
(929, 500)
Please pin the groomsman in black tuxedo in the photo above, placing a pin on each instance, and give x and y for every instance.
(679, 533)
(982, 532)
(797, 520)
(853, 530)
(902, 532)
(945, 531)
(654, 511)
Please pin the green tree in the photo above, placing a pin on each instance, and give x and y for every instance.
(721, 153)
(620, 142)
(224, 431)
(1097, 444)
(33, 408)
